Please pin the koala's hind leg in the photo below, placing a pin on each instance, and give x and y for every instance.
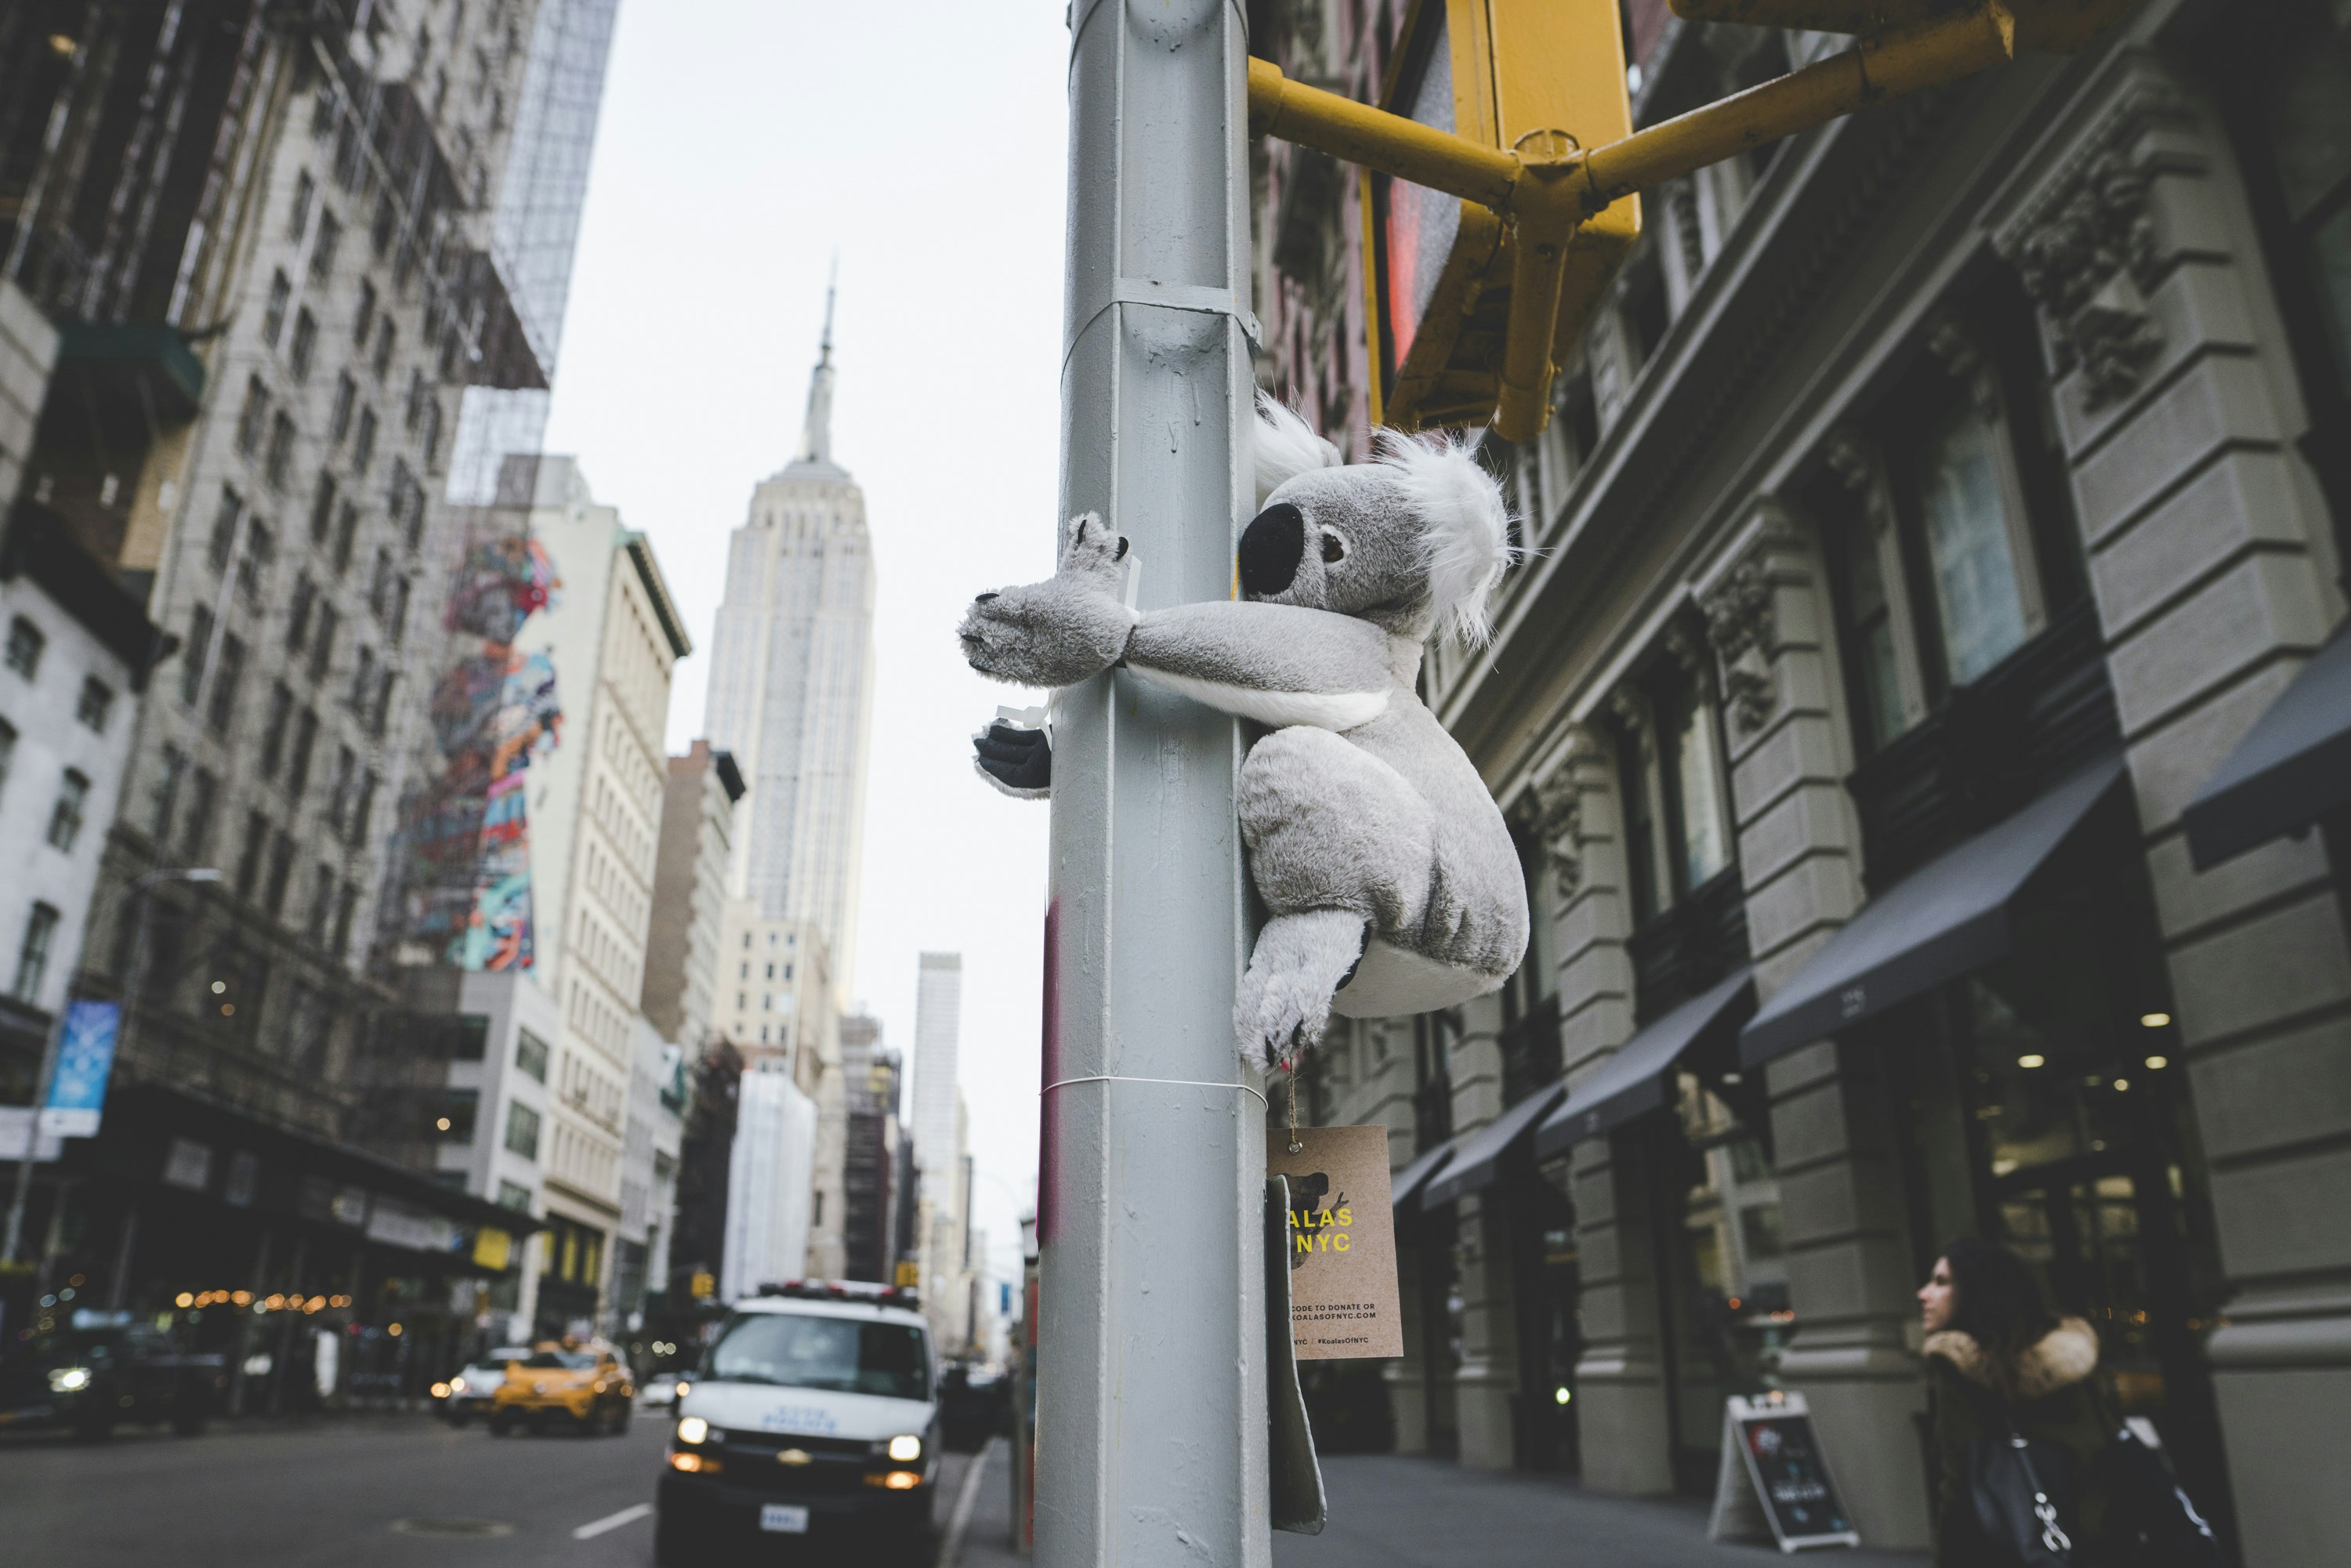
(1295, 968)
(1340, 846)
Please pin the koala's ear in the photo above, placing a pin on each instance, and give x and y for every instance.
(1287, 446)
(1465, 527)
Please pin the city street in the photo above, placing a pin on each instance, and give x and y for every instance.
(377, 1489)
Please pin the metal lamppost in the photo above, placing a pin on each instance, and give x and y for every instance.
(136, 892)
(1151, 1395)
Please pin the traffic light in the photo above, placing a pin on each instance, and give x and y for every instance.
(2043, 27)
(1438, 268)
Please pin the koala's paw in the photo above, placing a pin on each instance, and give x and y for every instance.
(1060, 631)
(1019, 762)
(1091, 553)
(1299, 963)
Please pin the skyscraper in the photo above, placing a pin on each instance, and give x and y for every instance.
(938, 1018)
(791, 682)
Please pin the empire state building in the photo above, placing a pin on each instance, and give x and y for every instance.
(791, 684)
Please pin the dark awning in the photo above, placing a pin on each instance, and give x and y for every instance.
(1477, 1157)
(2292, 769)
(1424, 1164)
(1944, 920)
(1633, 1081)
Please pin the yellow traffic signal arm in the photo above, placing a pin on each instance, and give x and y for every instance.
(2047, 26)
(1546, 185)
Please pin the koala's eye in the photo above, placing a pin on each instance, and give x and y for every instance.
(1335, 547)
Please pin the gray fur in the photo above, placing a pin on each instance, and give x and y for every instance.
(1356, 827)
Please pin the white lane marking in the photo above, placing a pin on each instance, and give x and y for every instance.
(612, 1522)
(951, 1549)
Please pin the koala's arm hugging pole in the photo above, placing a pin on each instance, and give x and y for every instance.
(1277, 664)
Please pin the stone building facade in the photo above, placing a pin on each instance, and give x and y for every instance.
(1941, 499)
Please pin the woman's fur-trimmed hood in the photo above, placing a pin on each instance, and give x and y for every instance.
(2059, 1359)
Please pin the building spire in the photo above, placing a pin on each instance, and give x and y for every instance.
(816, 435)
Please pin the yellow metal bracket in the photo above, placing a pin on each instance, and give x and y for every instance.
(1546, 186)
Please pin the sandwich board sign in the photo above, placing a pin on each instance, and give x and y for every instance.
(1774, 1478)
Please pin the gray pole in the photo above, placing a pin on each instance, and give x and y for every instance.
(1151, 1379)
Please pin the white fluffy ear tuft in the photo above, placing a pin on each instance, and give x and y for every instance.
(1465, 538)
(1287, 446)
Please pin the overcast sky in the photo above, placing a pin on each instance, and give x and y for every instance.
(743, 142)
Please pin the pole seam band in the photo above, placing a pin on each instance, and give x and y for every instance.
(1193, 297)
(1172, 1082)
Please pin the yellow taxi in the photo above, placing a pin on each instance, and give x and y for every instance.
(589, 1390)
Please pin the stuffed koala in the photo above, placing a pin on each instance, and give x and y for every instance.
(1389, 881)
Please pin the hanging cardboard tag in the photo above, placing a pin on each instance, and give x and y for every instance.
(1343, 1300)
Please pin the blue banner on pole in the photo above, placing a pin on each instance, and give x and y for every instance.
(85, 1061)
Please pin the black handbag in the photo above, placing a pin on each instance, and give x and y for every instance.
(2150, 1520)
(2024, 1500)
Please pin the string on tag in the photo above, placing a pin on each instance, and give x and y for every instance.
(1290, 1065)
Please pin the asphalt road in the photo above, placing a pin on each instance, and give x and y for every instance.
(387, 1490)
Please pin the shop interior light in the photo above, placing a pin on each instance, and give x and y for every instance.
(2122, 1083)
(2154, 1020)
(1563, 1397)
(2031, 1059)
(2157, 1064)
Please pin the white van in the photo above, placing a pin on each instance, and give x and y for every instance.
(814, 1414)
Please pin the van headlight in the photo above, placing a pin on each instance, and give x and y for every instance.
(693, 1429)
(905, 1449)
(68, 1379)
(456, 1386)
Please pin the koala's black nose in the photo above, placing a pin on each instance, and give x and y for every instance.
(1271, 547)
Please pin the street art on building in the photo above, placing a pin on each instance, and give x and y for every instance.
(493, 712)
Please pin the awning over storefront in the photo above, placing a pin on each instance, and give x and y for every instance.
(1946, 919)
(1633, 1081)
(2292, 769)
(1477, 1157)
(1409, 1180)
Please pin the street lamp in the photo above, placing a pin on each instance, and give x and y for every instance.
(136, 890)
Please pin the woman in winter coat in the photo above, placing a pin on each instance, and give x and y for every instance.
(1998, 1360)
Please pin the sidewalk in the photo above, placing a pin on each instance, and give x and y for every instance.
(1431, 1513)
(1390, 1512)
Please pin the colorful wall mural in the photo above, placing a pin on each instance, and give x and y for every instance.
(469, 888)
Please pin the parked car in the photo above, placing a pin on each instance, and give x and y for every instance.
(105, 1371)
(589, 1391)
(813, 1415)
(469, 1394)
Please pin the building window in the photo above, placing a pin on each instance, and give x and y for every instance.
(24, 645)
(454, 1125)
(363, 318)
(281, 460)
(260, 554)
(306, 740)
(513, 1195)
(223, 707)
(322, 903)
(65, 817)
(1675, 802)
(273, 727)
(522, 1131)
(281, 872)
(297, 611)
(166, 796)
(473, 1038)
(33, 953)
(1956, 541)
(346, 527)
(273, 314)
(249, 858)
(347, 905)
(330, 238)
(322, 646)
(386, 336)
(297, 215)
(252, 417)
(363, 443)
(196, 830)
(339, 414)
(94, 707)
(305, 345)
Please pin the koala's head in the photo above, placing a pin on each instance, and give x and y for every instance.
(1415, 541)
